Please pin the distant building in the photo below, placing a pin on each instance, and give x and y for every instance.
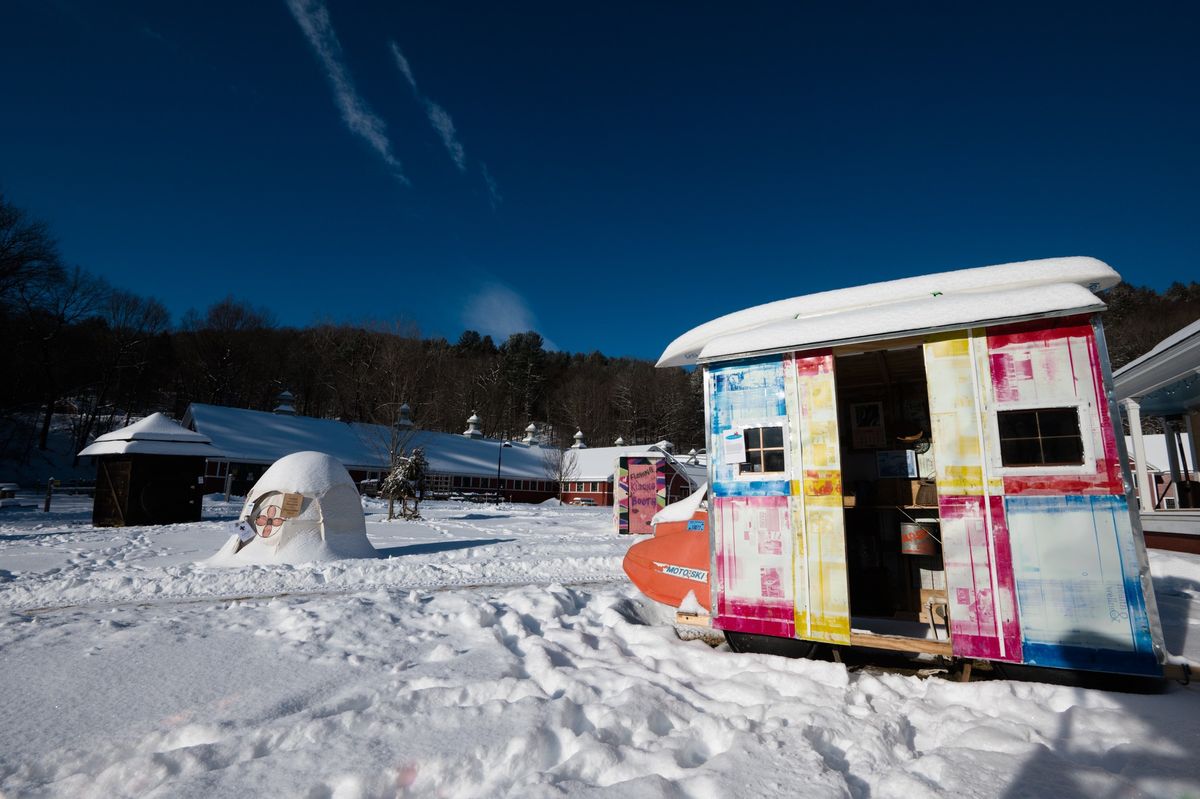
(464, 463)
(595, 467)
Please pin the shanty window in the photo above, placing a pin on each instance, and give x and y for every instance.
(764, 450)
(1040, 437)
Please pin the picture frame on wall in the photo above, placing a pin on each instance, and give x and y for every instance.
(866, 425)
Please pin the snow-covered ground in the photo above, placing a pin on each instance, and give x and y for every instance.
(499, 652)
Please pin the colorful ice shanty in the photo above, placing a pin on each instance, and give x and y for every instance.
(930, 465)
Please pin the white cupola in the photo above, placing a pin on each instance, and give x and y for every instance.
(287, 403)
(404, 422)
(579, 443)
(473, 430)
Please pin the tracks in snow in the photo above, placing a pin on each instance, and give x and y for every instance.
(185, 600)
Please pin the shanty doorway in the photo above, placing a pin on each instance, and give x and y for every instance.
(895, 574)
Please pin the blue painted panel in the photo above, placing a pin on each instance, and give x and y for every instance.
(1078, 589)
(748, 393)
(752, 488)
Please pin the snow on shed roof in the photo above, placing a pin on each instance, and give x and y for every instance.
(248, 436)
(832, 307)
(157, 434)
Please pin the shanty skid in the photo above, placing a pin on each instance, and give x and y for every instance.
(893, 643)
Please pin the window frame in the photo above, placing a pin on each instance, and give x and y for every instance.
(1084, 413)
(781, 425)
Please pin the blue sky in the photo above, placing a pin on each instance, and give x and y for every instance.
(607, 175)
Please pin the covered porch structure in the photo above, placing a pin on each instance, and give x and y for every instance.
(1165, 384)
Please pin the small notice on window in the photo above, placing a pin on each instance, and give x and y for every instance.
(735, 447)
(290, 507)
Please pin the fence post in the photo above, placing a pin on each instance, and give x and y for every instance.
(49, 491)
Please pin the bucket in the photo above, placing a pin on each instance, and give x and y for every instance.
(916, 540)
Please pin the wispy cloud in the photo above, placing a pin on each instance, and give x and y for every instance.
(444, 125)
(498, 311)
(313, 18)
(493, 190)
(438, 117)
(403, 66)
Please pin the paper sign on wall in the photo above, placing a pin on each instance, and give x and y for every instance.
(735, 447)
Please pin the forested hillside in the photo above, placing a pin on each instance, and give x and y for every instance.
(75, 344)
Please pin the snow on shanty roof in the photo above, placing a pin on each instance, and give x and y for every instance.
(599, 463)
(259, 437)
(895, 308)
(157, 434)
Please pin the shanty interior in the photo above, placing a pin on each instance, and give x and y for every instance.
(893, 556)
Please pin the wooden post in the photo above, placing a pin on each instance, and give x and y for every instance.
(49, 491)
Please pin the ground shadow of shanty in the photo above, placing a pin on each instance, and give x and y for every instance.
(438, 546)
(1175, 595)
(1073, 766)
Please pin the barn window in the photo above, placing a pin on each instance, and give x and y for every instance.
(1040, 437)
(764, 450)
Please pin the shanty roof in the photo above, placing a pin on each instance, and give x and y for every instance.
(897, 308)
(259, 437)
(157, 434)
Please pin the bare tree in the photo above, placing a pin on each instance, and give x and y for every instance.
(28, 252)
(560, 465)
(54, 308)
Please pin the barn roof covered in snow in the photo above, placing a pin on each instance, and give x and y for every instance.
(897, 308)
(157, 434)
(248, 436)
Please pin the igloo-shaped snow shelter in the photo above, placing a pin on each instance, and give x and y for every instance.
(304, 508)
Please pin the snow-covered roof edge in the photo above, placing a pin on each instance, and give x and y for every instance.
(1173, 358)
(1090, 273)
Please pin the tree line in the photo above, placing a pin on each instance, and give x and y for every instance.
(75, 344)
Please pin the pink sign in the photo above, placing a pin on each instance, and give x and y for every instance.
(643, 496)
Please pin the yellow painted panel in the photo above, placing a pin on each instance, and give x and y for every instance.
(822, 609)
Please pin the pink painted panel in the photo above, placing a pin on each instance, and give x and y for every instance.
(983, 615)
(753, 560)
(1056, 363)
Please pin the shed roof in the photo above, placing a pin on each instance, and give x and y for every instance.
(892, 309)
(157, 434)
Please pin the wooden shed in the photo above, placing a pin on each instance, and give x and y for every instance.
(927, 465)
(151, 472)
